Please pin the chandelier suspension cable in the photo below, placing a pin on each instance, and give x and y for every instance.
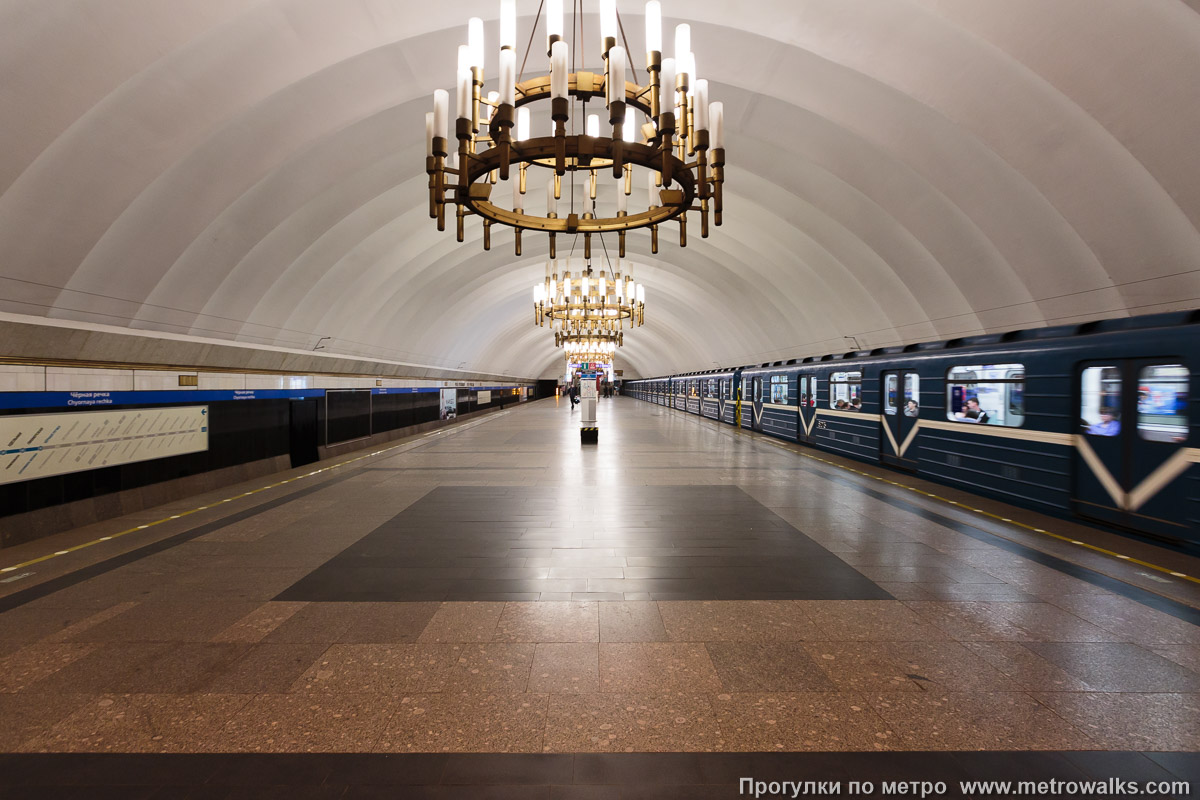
(625, 39)
(529, 46)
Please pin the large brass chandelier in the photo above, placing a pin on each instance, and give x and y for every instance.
(580, 304)
(666, 128)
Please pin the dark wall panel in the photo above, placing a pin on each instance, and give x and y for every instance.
(348, 415)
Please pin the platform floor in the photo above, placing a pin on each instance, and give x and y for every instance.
(681, 587)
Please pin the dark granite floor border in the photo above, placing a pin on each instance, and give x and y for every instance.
(584, 776)
(46, 588)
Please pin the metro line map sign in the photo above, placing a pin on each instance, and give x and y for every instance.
(41, 445)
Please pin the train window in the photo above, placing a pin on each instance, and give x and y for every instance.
(1100, 400)
(912, 394)
(758, 390)
(779, 389)
(990, 394)
(845, 391)
(1162, 403)
(891, 393)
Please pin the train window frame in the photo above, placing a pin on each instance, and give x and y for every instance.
(851, 379)
(1142, 426)
(891, 393)
(779, 390)
(911, 392)
(814, 382)
(1091, 414)
(1005, 415)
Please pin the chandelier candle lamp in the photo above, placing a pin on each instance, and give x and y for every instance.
(666, 127)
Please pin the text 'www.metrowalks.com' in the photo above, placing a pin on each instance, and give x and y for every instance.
(1109, 787)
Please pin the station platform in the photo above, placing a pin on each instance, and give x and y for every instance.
(494, 610)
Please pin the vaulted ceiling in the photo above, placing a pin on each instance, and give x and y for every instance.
(899, 170)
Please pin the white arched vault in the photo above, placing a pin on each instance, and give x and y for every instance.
(899, 170)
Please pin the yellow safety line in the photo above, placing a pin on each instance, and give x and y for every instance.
(981, 512)
(275, 485)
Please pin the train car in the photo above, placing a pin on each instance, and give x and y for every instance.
(1094, 421)
(692, 400)
(679, 393)
(716, 391)
(770, 403)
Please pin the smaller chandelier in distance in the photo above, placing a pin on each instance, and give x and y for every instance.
(666, 127)
(581, 304)
(591, 348)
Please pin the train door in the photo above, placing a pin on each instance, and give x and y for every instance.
(806, 389)
(901, 403)
(756, 399)
(1131, 453)
(721, 399)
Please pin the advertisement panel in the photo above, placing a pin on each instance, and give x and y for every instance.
(482, 397)
(449, 404)
(41, 445)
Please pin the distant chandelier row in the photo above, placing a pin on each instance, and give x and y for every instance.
(592, 348)
(680, 146)
(580, 304)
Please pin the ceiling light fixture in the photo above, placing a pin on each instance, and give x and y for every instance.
(680, 146)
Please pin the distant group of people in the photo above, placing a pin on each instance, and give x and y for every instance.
(607, 389)
(854, 404)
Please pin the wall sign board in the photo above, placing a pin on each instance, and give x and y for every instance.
(40, 445)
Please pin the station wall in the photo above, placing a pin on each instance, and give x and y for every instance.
(252, 433)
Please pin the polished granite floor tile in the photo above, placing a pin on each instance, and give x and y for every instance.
(737, 621)
(767, 667)
(265, 668)
(1118, 666)
(1186, 655)
(385, 670)
(800, 721)
(615, 723)
(863, 667)
(467, 723)
(1028, 669)
(488, 668)
(631, 621)
(258, 623)
(29, 714)
(1128, 720)
(177, 621)
(31, 663)
(142, 723)
(948, 667)
(568, 667)
(656, 668)
(302, 722)
(970, 621)
(937, 720)
(549, 622)
(878, 620)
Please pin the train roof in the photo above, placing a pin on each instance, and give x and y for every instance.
(1168, 319)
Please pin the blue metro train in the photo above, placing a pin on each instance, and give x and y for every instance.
(1088, 420)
